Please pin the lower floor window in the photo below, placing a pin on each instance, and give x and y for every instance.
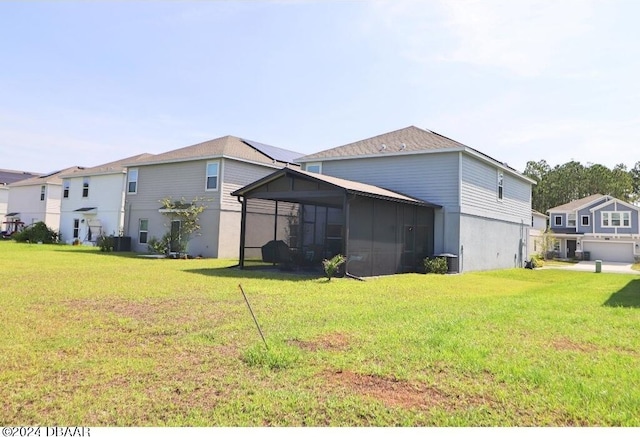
(143, 231)
(76, 228)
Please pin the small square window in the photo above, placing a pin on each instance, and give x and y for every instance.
(557, 220)
(585, 220)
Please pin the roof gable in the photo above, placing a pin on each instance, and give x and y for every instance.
(54, 178)
(614, 201)
(579, 203)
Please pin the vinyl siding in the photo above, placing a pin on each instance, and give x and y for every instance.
(479, 193)
(430, 177)
(619, 230)
(237, 174)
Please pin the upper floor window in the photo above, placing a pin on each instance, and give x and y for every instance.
(616, 219)
(132, 180)
(213, 168)
(584, 220)
(43, 190)
(85, 187)
(65, 188)
(500, 185)
(313, 167)
(557, 220)
(571, 220)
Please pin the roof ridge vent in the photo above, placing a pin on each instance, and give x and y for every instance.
(383, 147)
(403, 146)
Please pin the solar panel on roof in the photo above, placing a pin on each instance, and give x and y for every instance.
(276, 153)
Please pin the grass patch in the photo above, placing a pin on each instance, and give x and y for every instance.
(115, 339)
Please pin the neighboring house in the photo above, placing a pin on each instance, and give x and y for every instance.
(37, 199)
(596, 227)
(538, 227)
(207, 172)
(9, 224)
(480, 207)
(93, 201)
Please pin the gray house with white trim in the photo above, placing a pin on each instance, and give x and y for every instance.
(485, 213)
(209, 172)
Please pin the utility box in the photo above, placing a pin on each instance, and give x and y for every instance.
(598, 266)
(452, 262)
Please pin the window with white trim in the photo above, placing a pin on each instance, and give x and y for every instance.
(85, 187)
(500, 185)
(571, 220)
(616, 219)
(143, 231)
(213, 170)
(584, 220)
(65, 188)
(132, 181)
(43, 190)
(557, 220)
(313, 167)
(76, 228)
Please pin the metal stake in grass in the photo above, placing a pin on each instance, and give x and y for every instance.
(254, 317)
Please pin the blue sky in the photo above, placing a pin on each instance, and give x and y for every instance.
(92, 82)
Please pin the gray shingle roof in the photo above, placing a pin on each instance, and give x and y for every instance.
(112, 167)
(409, 139)
(228, 146)
(577, 204)
(51, 178)
(11, 176)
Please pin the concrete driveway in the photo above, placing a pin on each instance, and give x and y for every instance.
(607, 267)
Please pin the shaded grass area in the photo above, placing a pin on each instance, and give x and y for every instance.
(103, 339)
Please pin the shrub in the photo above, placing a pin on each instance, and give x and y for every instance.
(436, 265)
(36, 233)
(105, 243)
(332, 265)
(537, 261)
(159, 246)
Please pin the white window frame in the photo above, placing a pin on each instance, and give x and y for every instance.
(555, 221)
(607, 217)
(569, 220)
(43, 192)
(217, 176)
(143, 231)
(132, 178)
(66, 185)
(500, 185)
(582, 221)
(310, 165)
(76, 228)
(85, 187)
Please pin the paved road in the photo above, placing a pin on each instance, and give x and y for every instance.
(607, 267)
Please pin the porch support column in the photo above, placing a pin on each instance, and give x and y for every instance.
(345, 211)
(275, 234)
(243, 231)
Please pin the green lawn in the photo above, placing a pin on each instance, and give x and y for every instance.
(104, 339)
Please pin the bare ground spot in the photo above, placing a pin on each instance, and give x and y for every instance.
(398, 393)
(334, 341)
(565, 344)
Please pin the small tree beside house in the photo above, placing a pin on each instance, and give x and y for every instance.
(183, 223)
(547, 243)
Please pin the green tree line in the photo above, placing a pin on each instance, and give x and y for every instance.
(572, 180)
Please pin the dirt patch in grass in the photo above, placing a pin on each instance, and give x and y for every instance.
(565, 344)
(334, 341)
(393, 392)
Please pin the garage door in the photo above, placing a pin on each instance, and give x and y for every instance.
(609, 251)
